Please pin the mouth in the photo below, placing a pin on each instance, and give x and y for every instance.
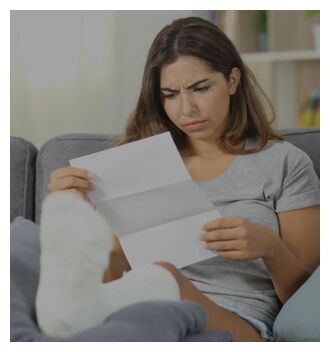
(195, 125)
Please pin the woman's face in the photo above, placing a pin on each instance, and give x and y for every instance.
(196, 98)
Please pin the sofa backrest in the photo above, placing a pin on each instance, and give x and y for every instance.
(307, 139)
(58, 151)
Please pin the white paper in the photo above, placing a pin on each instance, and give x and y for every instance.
(148, 197)
(175, 242)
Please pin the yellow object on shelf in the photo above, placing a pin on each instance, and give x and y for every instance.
(306, 118)
(317, 118)
(310, 115)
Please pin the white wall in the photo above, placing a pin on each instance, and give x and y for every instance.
(79, 71)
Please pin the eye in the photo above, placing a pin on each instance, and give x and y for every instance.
(170, 96)
(201, 89)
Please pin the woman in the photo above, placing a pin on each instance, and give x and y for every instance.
(196, 86)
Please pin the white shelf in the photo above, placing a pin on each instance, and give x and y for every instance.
(290, 69)
(281, 56)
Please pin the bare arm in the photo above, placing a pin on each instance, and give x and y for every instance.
(297, 254)
(290, 258)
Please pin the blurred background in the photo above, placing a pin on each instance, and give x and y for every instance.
(81, 71)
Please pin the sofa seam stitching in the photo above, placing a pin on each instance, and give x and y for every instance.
(25, 181)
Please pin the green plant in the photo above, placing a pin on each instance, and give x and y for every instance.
(261, 21)
(312, 13)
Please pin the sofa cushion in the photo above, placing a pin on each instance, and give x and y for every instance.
(145, 321)
(22, 178)
(299, 318)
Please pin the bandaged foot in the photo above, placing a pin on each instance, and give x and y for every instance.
(75, 244)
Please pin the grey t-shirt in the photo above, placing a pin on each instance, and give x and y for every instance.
(279, 178)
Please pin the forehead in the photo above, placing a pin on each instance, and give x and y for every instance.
(184, 70)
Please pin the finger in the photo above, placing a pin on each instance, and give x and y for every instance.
(222, 245)
(70, 182)
(219, 235)
(226, 222)
(71, 171)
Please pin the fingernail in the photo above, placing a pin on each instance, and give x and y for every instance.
(201, 235)
(93, 186)
(89, 174)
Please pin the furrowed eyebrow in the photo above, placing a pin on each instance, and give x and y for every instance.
(191, 86)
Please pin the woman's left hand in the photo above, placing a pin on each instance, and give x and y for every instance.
(238, 238)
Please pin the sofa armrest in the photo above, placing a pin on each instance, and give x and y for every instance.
(23, 155)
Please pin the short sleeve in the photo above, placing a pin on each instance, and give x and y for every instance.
(300, 185)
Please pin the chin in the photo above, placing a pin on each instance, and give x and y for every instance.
(200, 135)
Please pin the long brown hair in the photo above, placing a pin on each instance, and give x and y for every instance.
(193, 36)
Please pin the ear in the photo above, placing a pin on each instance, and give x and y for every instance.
(234, 79)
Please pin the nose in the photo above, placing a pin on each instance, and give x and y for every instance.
(188, 106)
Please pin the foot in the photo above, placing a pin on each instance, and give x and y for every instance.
(75, 244)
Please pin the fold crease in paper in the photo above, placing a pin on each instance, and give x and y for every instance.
(148, 197)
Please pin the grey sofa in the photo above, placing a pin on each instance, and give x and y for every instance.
(30, 169)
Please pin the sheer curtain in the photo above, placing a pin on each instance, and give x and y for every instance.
(78, 71)
(63, 73)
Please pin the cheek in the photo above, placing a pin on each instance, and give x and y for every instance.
(216, 105)
(171, 110)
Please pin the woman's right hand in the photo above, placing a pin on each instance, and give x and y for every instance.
(71, 179)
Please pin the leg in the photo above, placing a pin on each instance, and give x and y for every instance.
(75, 245)
(147, 283)
(217, 317)
(75, 242)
